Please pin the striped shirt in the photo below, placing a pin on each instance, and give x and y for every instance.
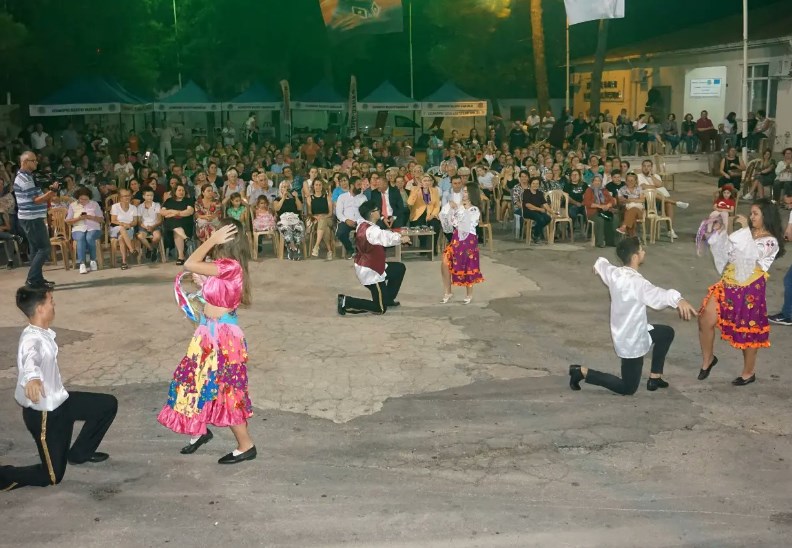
(26, 191)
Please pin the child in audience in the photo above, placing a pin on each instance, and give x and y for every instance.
(719, 218)
(263, 220)
(235, 209)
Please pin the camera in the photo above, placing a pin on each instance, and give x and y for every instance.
(45, 180)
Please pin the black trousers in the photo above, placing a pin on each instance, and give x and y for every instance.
(52, 432)
(662, 336)
(382, 294)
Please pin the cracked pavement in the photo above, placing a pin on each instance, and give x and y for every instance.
(435, 425)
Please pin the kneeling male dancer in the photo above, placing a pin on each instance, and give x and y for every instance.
(382, 279)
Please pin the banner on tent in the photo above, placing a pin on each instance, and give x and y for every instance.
(389, 106)
(454, 109)
(353, 106)
(188, 107)
(349, 18)
(251, 106)
(298, 105)
(68, 110)
(403, 121)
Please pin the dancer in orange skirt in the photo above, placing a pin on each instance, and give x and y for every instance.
(736, 304)
(461, 257)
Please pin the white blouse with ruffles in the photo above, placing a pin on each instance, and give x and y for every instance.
(743, 251)
(464, 220)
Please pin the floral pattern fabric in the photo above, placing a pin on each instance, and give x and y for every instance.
(210, 384)
(463, 260)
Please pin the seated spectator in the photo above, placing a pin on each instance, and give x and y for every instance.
(207, 213)
(486, 180)
(763, 175)
(507, 182)
(671, 132)
(343, 187)
(288, 206)
(134, 189)
(707, 133)
(601, 208)
(177, 212)
(689, 134)
(591, 169)
(348, 215)
(8, 238)
(236, 209)
(173, 181)
(424, 204)
(319, 203)
(615, 183)
(575, 189)
(647, 179)
(763, 127)
(393, 209)
(234, 184)
(554, 180)
(123, 220)
(263, 219)
(536, 208)
(259, 185)
(731, 169)
(149, 223)
(783, 174)
(631, 198)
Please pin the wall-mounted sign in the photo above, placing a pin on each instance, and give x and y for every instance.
(611, 91)
(706, 87)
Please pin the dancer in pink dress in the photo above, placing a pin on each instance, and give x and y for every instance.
(210, 385)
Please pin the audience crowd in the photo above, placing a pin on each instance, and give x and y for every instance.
(138, 200)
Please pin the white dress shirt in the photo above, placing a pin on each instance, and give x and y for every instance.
(347, 207)
(37, 358)
(376, 236)
(451, 195)
(630, 294)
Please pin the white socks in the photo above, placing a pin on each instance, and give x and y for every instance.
(193, 441)
(236, 452)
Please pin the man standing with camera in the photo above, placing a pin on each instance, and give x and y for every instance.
(32, 214)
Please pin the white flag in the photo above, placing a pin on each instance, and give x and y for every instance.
(580, 11)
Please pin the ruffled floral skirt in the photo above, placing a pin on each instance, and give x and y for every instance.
(742, 309)
(210, 385)
(463, 260)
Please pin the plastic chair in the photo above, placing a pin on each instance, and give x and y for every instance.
(59, 235)
(559, 202)
(655, 217)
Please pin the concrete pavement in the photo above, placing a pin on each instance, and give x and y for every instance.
(436, 425)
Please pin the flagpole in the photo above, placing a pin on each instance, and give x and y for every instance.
(745, 84)
(567, 65)
(412, 71)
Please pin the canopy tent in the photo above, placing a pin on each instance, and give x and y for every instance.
(190, 98)
(93, 95)
(257, 97)
(321, 97)
(450, 101)
(387, 97)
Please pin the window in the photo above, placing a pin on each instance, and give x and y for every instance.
(762, 90)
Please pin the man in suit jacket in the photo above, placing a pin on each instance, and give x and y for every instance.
(389, 200)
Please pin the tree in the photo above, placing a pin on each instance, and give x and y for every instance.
(540, 62)
(599, 64)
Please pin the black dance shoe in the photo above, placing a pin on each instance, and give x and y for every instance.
(575, 376)
(95, 457)
(394, 304)
(340, 305)
(704, 373)
(191, 448)
(654, 384)
(739, 381)
(250, 454)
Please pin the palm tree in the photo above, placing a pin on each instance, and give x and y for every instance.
(540, 63)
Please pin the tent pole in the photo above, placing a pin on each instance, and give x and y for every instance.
(567, 65)
(412, 70)
(745, 84)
